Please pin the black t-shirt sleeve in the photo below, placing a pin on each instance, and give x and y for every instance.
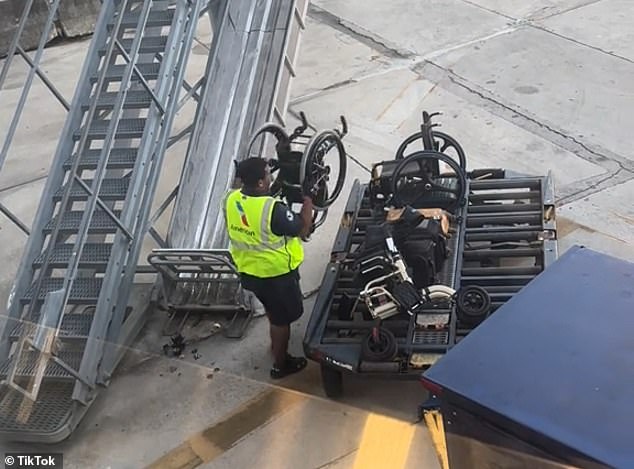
(284, 222)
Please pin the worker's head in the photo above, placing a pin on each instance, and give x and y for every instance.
(255, 174)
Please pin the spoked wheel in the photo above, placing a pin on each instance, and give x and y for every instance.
(443, 143)
(473, 304)
(414, 177)
(285, 168)
(282, 139)
(323, 170)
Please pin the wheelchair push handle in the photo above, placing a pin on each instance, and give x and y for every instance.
(427, 117)
(299, 130)
(344, 127)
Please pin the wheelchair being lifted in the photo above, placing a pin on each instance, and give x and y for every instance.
(307, 163)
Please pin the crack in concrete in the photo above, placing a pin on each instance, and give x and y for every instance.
(625, 167)
(336, 460)
(350, 81)
(557, 12)
(490, 10)
(598, 186)
(23, 183)
(577, 42)
(597, 157)
(623, 172)
(359, 33)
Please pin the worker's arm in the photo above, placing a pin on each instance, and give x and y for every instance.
(306, 214)
(285, 222)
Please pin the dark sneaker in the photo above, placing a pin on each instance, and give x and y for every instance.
(292, 365)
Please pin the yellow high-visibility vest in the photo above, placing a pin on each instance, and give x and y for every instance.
(255, 249)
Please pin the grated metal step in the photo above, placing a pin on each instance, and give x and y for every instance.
(94, 256)
(111, 189)
(29, 360)
(430, 337)
(134, 100)
(84, 291)
(101, 223)
(74, 326)
(149, 45)
(149, 71)
(155, 19)
(48, 415)
(120, 158)
(128, 128)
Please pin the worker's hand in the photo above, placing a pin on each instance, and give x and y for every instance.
(307, 217)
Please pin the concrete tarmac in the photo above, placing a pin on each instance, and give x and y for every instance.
(529, 85)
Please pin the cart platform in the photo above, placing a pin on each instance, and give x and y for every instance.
(504, 235)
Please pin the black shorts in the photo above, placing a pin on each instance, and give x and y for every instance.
(281, 296)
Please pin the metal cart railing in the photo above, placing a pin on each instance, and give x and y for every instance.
(202, 281)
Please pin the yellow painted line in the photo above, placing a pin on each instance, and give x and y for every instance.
(385, 443)
(214, 441)
(436, 427)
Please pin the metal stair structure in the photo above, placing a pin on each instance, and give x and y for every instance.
(68, 316)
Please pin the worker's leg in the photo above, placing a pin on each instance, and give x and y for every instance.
(282, 299)
(279, 344)
(288, 309)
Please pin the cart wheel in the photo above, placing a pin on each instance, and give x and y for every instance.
(332, 381)
(444, 143)
(414, 177)
(473, 304)
(323, 170)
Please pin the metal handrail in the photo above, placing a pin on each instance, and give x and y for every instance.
(16, 39)
(93, 192)
(177, 62)
(29, 81)
(66, 195)
(45, 210)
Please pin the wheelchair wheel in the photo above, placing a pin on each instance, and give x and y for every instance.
(379, 346)
(319, 216)
(323, 168)
(473, 305)
(414, 178)
(283, 140)
(443, 143)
